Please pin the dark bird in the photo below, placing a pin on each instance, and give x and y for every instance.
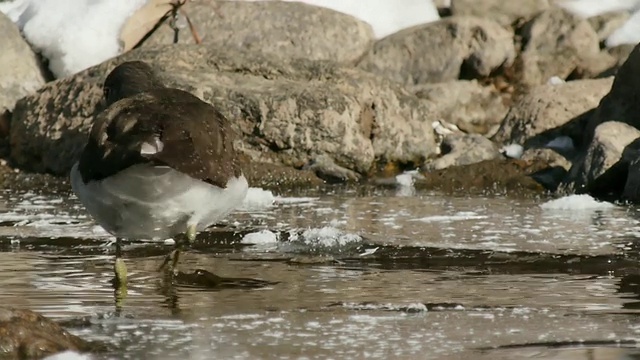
(159, 163)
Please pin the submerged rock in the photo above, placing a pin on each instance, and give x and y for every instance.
(284, 29)
(25, 334)
(288, 112)
(445, 50)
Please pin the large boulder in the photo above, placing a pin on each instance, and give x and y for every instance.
(286, 29)
(20, 72)
(445, 50)
(557, 43)
(288, 112)
(548, 111)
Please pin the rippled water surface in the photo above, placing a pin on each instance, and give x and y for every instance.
(339, 273)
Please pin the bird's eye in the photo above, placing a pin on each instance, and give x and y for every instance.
(106, 93)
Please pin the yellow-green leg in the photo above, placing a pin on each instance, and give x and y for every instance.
(120, 269)
(174, 255)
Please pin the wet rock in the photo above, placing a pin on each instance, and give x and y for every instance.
(605, 24)
(594, 171)
(463, 149)
(557, 168)
(557, 43)
(503, 12)
(445, 50)
(631, 159)
(621, 103)
(499, 176)
(287, 112)
(283, 29)
(470, 106)
(548, 111)
(25, 334)
(277, 177)
(20, 72)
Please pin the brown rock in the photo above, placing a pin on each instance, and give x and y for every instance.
(283, 29)
(445, 50)
(20, 72)
(500, 11)
(557, 43)
(288, 112)
(470, 106)
(25, 334)
(548, 111)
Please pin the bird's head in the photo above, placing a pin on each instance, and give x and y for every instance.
(128, 79)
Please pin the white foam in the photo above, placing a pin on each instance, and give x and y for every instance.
(460, 216)
(576, 202)
(72, 34)
(257, 199)
(327, 236)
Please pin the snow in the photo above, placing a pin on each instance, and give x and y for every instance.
(385, 17)
(629, 33)
(576, 202)
(72, 34)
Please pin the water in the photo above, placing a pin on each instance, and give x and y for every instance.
(342, 273)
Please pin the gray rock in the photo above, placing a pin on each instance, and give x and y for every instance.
(285, 29)
(464, 149)
(595, 172)
(442, 51)
(287, 112)
(470, 106)
(548, 111)
(25, 334)
(503, 12)
(20, 72)
(557, 43)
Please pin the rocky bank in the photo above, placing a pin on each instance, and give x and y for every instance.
(316, 98)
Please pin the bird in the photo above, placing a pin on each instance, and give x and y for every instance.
(158, 163)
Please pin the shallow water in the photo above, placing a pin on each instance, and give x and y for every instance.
(366, 273)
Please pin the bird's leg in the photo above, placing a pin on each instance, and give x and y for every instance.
(120, 281)
(174, 255)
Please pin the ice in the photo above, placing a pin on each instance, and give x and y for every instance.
(72, 34)
(576, 202)
(462, 215)
(262, 237)
(69, 355)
